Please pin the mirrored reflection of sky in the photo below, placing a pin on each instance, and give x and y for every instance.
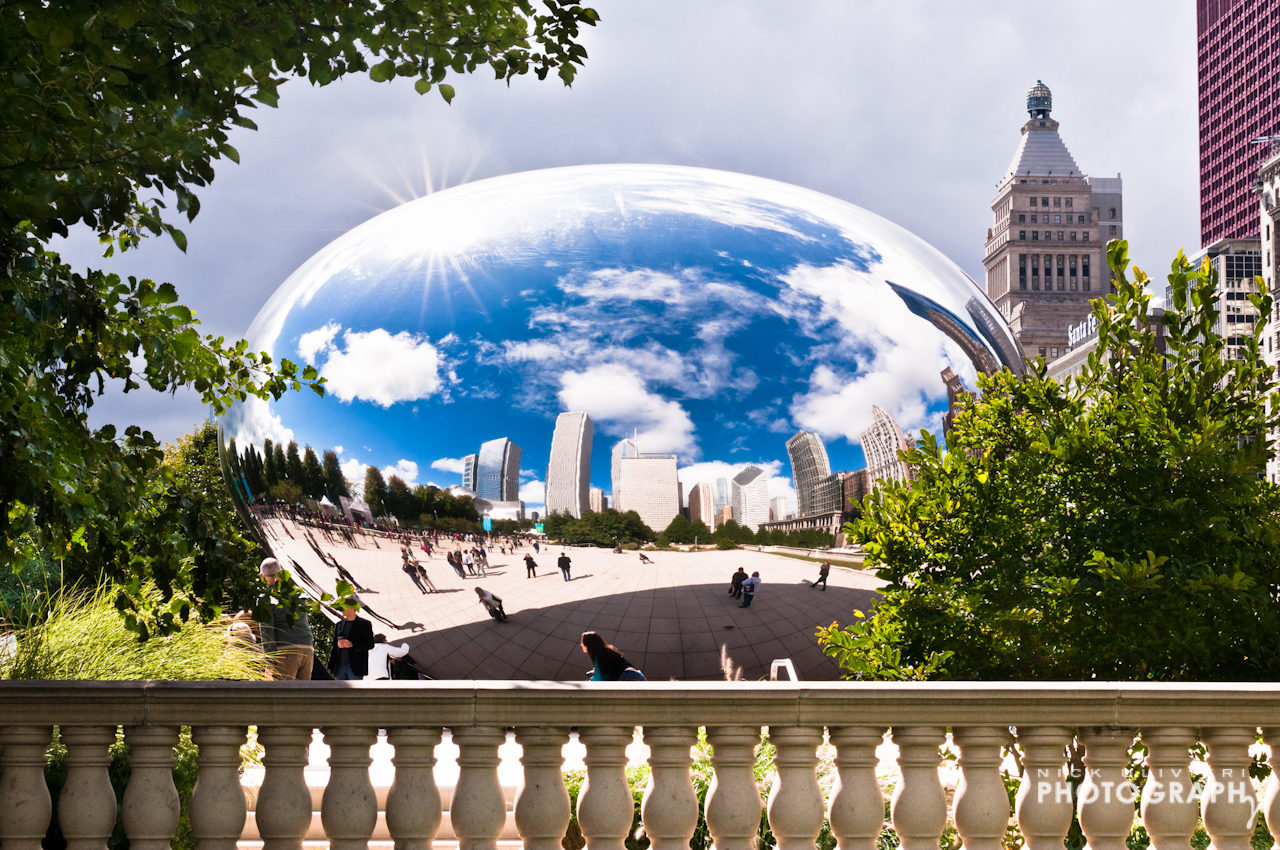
(711, 314)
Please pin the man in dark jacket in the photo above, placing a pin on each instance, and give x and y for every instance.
(352, 640)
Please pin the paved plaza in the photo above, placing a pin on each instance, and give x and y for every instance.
(671, 618)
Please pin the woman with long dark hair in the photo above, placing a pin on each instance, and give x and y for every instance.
(608, 663)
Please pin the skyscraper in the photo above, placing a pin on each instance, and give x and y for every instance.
(779, 508)
(1239, 102)
(881, 444)
(809, 465)
(624, 448)
(596, 499)
(498, 479)
(569, 469)
(702, 505)
(647, 484)
(1269, 206)
(750, 497)
(1046, 249)
(470, 470)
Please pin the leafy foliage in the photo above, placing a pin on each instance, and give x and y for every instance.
(1116, 526)
(598, 528)
(111, 113)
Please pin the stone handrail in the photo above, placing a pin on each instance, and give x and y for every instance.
(1103, 719)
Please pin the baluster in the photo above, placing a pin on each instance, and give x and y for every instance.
(413, 803)
(283, 811)
(733, 801)
(670, 806)
(478, 811)
(1271, 798)
(982, 803)
(1106, 795)
(87, 804)
(542, 803)
(348, 808)
(217, 801)
(795, 803)
(605, 805)
(856, 810)
(1044, 803)
(1169, 810)
(918, 807)
(151, 806)
(24, 796)
(1229, 807)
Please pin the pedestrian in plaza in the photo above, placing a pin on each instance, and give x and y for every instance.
(478, 558)
(352, 640)
(426, 579)
(411, 570)
(750, 587)
(530, 567)
(563, 563)
(644, 559)
(607, 662)
(286, 634)
(735, 583)
(492, 604)
(823, 572)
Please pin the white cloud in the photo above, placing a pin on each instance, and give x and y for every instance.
(533, 494)
(353, 470)
(616, 398)
(405, 470)
(627, 285)
(337, 450)
(374, 365)
(251, 422)
(456, 465)
(319, 340)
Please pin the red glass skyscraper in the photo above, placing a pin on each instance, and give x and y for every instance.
(1238, 43)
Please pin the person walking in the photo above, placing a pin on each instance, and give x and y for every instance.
(530, 567)
(411, 570)
(563, 563)
(735, 583)
(750, 586)
(426, 579)
(352, 640)
(286, 634)
(607, 662)
(823, 572)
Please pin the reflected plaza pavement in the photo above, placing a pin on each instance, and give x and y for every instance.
(671, 618)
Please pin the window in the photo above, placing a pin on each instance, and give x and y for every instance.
(1053, 352)
(1080, 219)
(1113, 213)
(1022, 218)
(1042, 351)
(1057, 202)
(1073, 236)
(1060, 236)
(1035, 236)
(1057, 219)
(1022, 236)
(1033, 202)
(1113, 230)
(1067, 202)
(1044, 202)
(1085, 236)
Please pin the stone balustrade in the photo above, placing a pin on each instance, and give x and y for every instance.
(983, 718)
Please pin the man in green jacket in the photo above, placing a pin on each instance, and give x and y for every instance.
(286, 634)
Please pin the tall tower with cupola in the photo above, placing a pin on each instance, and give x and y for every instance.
(1046, 248)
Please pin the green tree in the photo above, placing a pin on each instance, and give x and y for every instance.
(1115, 526)
(113, 116)
(400, 502)
(375, 491)
(270, 471)
(312, 474)
(293, 466)
(335, 483)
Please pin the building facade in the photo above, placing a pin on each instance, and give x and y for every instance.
(1239, 97)
(470, 471)
(498, 476)
(881, 445)
(623, 449)
(647, 484)
(750, 497)
(1268, 187)
(595, 499)
(702, 505)
(780, 509)
(569, 468)
(809, 465)
(1238, 263)
(1046, 249)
